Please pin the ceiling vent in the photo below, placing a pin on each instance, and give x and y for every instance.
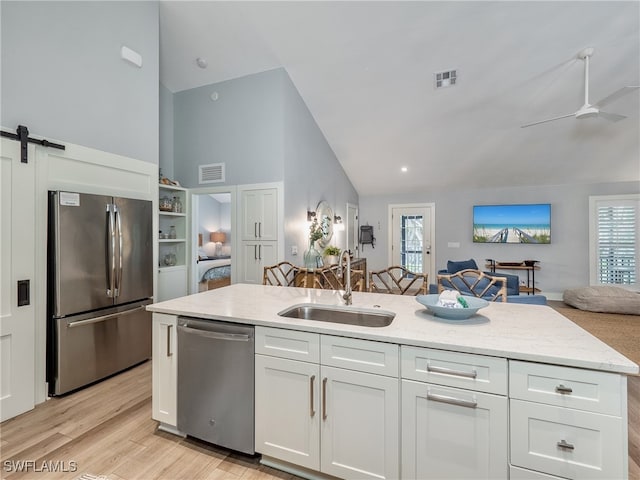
(212, 173)
(447, 78)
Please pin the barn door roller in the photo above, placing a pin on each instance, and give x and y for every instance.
(22, 136)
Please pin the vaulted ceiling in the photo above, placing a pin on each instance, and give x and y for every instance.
(366, 69)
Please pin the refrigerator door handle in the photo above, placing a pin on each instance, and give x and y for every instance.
(118, 284)
(103, 318)
(111, 253)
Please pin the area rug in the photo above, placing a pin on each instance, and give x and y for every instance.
(621, 332)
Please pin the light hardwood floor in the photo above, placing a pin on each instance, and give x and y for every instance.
(108, 432)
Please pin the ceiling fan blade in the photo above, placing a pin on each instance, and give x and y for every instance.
(615, 95)
(547, 120)
(613, 117)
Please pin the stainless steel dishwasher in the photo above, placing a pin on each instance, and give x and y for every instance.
(216, 382)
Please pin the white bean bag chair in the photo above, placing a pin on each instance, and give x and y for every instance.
(603, 298)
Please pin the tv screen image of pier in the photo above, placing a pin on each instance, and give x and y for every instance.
(512, 223)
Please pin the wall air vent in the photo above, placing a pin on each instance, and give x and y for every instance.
(445, 79)
(212, 173)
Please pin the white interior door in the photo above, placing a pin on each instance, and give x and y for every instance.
(412, 237)
(17, 265)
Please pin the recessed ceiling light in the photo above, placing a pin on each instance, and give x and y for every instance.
(201, 62)
(403, 169)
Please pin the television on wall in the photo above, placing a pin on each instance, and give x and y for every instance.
(512, 223)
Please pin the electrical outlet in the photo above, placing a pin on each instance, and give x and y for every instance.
(453, 244)
(294, 250)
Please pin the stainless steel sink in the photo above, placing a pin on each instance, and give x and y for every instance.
(335, 314)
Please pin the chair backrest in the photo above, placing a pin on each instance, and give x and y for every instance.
(329, 278)
(282, 274)
(474, 282)
(398, 280)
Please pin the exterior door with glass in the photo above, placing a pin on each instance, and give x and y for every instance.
(412, 237)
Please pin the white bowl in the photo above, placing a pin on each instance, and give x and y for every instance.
(431, 302)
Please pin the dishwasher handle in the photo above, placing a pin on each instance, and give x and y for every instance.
(234, 337)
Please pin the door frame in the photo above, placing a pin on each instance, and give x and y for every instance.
(347, 227)
(192, 246)
(431, 206)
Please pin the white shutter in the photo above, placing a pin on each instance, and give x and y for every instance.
(617, 240)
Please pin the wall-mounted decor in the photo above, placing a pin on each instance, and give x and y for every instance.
(512, 223)
(324, 215)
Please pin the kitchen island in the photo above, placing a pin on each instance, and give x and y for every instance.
(523, 391)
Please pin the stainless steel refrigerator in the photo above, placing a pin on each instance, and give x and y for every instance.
(100, 278)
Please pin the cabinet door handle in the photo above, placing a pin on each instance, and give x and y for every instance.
(565, 445)
(169, 352)
(255, 252)
(255, 229)
(259, 252)
(324, 398)
(260, 229)
(449, 371)
(312, 410)
(563, 390)
(451, 400)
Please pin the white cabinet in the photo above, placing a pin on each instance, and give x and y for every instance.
(339, 421)
(258, 220)
(172, 242)
(259, 214)
(287, 410)
(568, 422)
(360, 431)
(171, 282)
(450, 432)
(256, 256)
(165, 370)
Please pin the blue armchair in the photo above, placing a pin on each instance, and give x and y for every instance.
(513, 282)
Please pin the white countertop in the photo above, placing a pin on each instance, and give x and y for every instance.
(517, 331)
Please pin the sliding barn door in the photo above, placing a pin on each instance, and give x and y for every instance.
(17, 267)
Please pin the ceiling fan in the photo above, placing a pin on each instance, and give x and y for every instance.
(591, 110)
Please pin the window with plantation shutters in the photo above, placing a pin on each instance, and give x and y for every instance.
(615, 241)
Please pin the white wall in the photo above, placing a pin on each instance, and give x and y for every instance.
(62, 75)
(262, 130)
(564, 263)
(242, 128)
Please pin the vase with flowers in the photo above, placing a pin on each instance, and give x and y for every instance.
(312, 257)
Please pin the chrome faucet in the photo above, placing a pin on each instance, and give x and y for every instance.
(346, 277)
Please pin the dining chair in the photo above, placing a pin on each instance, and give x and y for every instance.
(398, 280)
(476, 283)
(282, 274)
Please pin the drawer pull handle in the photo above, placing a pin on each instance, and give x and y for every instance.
(449, 371)
(312, 410)
(451, 400)
(565, 445)
(563, 390)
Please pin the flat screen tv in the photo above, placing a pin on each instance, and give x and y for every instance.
(512, 223)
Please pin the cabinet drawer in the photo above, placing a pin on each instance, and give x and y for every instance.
(567, 443)
(567, 387)
(516, 473)
(291, 344)
(463, 370)
(361, 355)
